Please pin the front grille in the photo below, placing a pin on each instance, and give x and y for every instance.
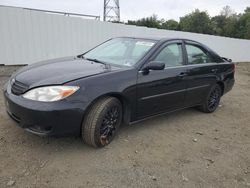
(18, 88)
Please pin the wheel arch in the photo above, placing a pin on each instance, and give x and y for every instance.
(126, 107)
(221, 84)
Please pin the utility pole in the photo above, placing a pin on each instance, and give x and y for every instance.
(111, 11)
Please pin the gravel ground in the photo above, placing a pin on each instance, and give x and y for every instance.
(183, 149)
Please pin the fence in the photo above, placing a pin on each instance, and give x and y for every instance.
(28, 36)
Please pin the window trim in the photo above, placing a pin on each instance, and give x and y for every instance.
(165, 44)
(192, 43)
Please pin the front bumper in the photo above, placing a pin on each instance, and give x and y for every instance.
(59, 118)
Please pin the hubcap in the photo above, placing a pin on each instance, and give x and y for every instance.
(214, 99)
(109, 125)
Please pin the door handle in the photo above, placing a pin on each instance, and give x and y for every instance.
(214, 70)
(182, 74)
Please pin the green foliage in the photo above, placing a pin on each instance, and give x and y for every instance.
(170, 25)
(243, 25)
(218, 24)
(197, 22)
(224, 25)
(227, 11)
(151, 21)
(228, 23)
(247, 10)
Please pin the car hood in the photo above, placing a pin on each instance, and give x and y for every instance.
(59, 71)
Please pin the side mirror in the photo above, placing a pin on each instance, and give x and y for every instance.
(154, 65)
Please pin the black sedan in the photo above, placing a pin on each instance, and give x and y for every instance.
(123, 80)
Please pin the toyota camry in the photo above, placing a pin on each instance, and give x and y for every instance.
(121, 81)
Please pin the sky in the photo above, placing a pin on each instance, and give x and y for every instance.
(134, 9)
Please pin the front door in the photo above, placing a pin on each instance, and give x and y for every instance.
(163, 90)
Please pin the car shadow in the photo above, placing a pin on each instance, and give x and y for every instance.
(70, 144)
(151, 122)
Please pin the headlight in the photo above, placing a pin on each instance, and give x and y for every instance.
(50, 93)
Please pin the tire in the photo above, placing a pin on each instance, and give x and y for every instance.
(102, 122)
(212, 100)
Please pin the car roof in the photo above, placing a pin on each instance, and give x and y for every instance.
(146, 37)
(158, 38)
(162, 39)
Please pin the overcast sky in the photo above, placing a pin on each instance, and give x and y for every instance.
(134, 9)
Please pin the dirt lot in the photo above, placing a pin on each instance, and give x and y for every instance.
(184, 149)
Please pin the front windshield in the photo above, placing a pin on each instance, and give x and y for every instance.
(121, 51)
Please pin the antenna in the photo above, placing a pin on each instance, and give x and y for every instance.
(111, 11)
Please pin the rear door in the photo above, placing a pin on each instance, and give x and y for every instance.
(202, 70)
(163, 90)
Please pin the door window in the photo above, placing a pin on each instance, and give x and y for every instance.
(197, 55)
(171, 55)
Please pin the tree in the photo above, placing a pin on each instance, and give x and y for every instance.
(197, 22)
(225, 23)
(243, 25)
(247, 10)
(228, 23)
(151, 21)
(218, 24)
(170, 25)
(230, 26)
(227, 11)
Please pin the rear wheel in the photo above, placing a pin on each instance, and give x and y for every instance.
(102, 122)
(212, 100)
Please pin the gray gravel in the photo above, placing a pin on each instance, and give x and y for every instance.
(184, 149)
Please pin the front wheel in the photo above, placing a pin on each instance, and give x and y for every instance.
(212, 100)
(102, 122)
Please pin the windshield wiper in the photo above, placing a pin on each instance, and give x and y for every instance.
(80, 56)
(106, 65)
(95, 60)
